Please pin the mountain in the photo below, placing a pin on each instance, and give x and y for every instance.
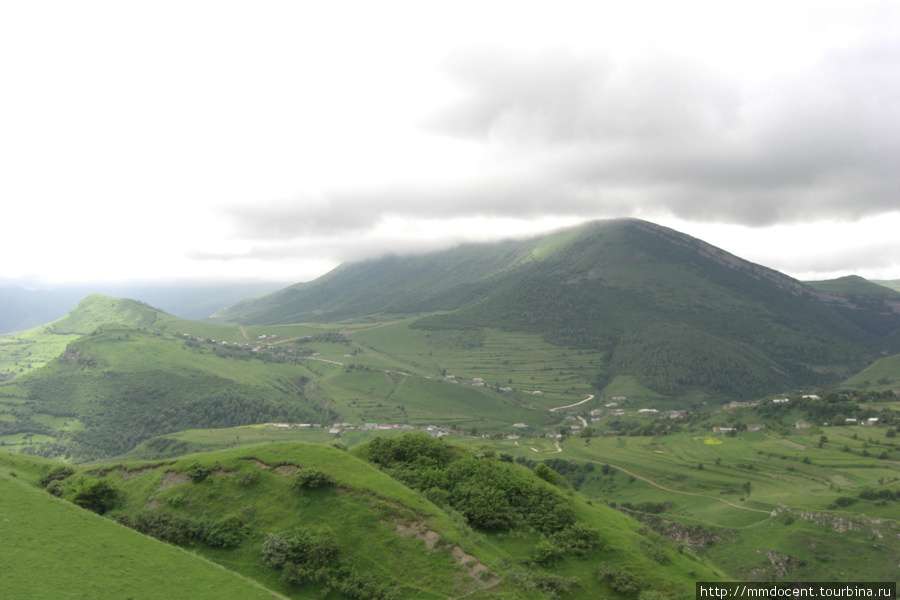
(671, 310)
(23, 308)
(118, 377)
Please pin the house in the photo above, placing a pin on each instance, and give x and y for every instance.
(506, 389)
(538, 393)
(612, 405)
(648, 411)
(802, 425)
(721, 430)
(478, 380)
(520, 425)
(597, 412)
(781, 400)
(553, 436)
(872, 421)
(850, 421)
(756, 426)
(675, 414)
(812, 397)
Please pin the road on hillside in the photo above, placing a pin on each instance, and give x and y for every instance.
(580, 418)
(588, 399)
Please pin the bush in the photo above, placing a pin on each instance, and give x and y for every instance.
(311, 479)
(546, 553)
(98, 496)
(198, 472)
(247, 478)
(224, 533)
(844, 501)
(654, 552)
(57, 474)
(306, 548)
(620, 579)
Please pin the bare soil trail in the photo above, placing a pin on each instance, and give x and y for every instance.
(653, 483)
(588, 399)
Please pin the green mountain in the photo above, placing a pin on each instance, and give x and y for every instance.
(671, 311)
(119, 377)
(311, 521)
(854, 285)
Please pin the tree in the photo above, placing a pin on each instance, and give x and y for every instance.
(545, 473)
(98, 495)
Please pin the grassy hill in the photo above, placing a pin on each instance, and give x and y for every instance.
(119, 377)
(54, 549)
(244, 508)
(678, 315)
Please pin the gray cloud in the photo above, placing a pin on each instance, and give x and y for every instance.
(585, 136)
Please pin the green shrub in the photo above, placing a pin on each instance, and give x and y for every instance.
(654, 552)
(619, 578)
(98, 495)
(311, 479)
(310, 549)
(57, 474)
(546, 553)
(224, 533)
(198, 472)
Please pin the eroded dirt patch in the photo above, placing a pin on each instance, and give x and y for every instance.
(479, 571)
(136, 472)
(171, 478)
(288, 470)
(284, 469)
(429, 536)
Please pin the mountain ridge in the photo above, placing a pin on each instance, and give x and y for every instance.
(612, 286)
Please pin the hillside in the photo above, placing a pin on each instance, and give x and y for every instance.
(25, 308)
(54, 549)
(677, 314)
(315, 521)
(114, 377)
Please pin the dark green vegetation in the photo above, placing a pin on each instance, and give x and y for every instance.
(258, 511)
(673, 312)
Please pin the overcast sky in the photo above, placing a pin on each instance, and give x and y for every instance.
(274, 140)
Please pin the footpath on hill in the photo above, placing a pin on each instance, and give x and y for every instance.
(653, 483)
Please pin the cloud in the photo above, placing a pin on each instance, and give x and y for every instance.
(593, 136)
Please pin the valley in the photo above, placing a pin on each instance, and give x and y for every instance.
(686, 415)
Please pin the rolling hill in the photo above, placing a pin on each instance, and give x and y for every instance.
(310, 521)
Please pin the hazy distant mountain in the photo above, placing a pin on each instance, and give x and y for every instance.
(22, 308)
(670, 309)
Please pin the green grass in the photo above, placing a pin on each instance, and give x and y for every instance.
(883, 374)
(53, 549)
(825, 543)
(362, 513)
